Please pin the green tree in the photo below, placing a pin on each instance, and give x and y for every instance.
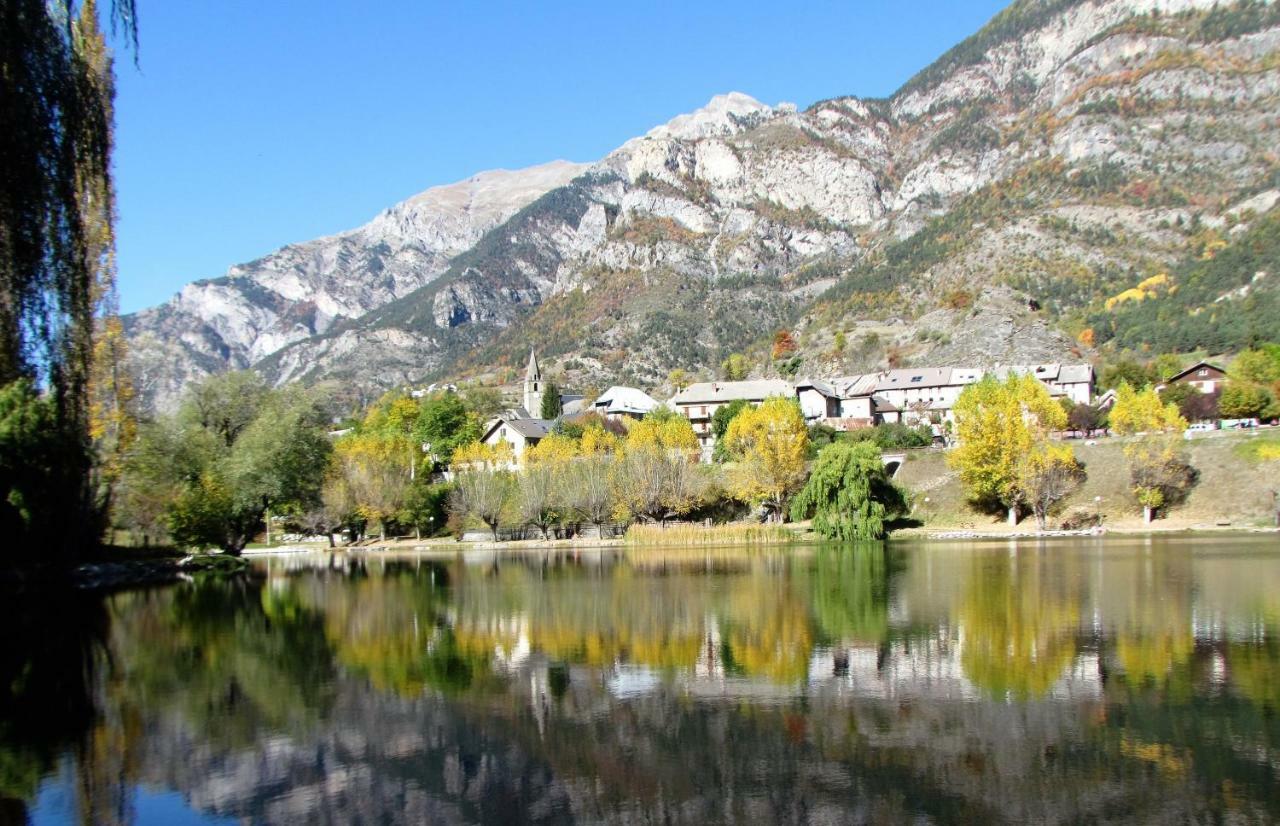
(720, 424)
(849, 494)
(1243, 401)
(217, 472)
(445, 424)
(551, 407)
(1254, 367)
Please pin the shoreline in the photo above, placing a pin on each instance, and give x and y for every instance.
(450, 547)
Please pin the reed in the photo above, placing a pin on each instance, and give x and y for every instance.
(686, 535)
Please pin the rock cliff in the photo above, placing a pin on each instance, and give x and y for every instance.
(1064, 154)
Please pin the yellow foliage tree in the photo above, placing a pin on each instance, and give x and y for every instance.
(999, 424)
(668, 432)
(1142, 412)
(1158, 473)
(370, 468)
(554, 449)
(479, 454)
(768, 444)
(597, 440)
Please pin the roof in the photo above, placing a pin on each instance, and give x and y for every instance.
(619, 399)
(905, 379)
(853, 386)
(1076, 374)
(726, 391)
(532, 372)
(1194, 368)
(821, 386)
(525, 426)
(882, 405)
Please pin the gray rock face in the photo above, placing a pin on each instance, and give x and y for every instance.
(304, 289)
(711, 231)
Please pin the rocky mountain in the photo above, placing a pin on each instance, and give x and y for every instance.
(303, 289)
(1049, 186)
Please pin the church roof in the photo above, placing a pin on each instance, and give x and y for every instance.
(533, 372)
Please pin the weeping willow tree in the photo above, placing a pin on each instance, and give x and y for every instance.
(849, 494)
(56, 269)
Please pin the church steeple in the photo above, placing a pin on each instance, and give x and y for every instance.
(533, 386)
(534, 373)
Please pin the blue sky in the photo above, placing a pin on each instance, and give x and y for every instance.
(249, 125)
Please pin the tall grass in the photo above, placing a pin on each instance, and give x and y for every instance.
(691, 535)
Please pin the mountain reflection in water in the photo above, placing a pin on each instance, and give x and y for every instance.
(1053, 682)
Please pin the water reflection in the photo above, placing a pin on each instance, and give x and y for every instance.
(1050, 682)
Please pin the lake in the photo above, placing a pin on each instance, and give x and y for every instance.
(1116, 679)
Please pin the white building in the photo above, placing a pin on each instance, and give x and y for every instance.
(624, 402)
(699, 402)
(517, 431)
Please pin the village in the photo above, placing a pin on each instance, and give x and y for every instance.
(912, 396)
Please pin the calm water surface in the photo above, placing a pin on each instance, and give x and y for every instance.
(1124, 680)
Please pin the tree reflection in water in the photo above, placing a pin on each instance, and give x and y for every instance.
(1052, 683)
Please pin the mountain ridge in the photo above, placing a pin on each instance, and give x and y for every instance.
(1064, 150)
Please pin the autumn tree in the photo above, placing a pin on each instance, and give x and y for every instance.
(735, 367)
(485, 493)
(1159, 473)
(999, 424)
(538, 495)
(849, 494)
(768, 445)
(1046, 475)
(655, 478)
(483, 486)
(588, 489)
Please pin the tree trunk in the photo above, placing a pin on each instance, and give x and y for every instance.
(332, 544)
(1148, 513)
(1013, 515)
(493, 526)
(1041, 520)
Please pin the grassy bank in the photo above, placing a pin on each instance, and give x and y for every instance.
(1233, 489)
(696, 535)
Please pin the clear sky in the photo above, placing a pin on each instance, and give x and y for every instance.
(250, 124)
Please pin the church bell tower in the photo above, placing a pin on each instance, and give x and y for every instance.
(533, 387)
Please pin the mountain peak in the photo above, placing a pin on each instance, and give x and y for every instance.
(723, 115)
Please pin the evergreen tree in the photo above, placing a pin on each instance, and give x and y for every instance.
(551, 408)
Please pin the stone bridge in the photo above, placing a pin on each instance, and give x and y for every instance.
(892, 462)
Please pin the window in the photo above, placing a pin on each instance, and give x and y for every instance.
(917, 379)
(1204, 371)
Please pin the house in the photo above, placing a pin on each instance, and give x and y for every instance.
(923, 393)
(845, 403)
(516, 429)
(699, 402)
(624, 402)
(1203, 376)
(1073, 382)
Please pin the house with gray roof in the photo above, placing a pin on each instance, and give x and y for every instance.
(699, 402)
(519, 431)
